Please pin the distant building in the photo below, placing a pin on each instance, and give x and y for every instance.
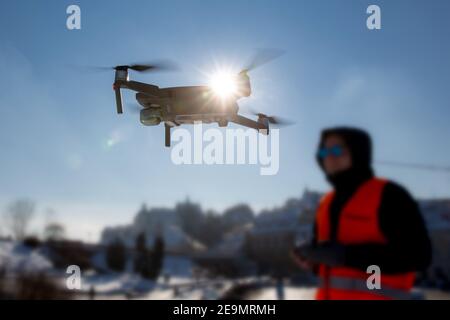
(436, 213)
(277, 231)
(154, 222)
(238, 215)
(229, 257)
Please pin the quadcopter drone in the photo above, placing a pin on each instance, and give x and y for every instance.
(191, 104)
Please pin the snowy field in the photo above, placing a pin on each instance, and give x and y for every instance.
(290, 293)
(16, 259)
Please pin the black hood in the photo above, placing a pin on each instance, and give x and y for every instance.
(359, 143)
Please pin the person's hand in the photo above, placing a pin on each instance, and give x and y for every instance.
(330, 254)
(299, 255)
(301, 261)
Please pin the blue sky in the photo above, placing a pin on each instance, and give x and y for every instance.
(56, 121)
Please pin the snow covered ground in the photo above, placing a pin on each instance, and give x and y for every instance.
(132, 286)
(116, 283)
(176, 280)
(290, 293)
(17, 258)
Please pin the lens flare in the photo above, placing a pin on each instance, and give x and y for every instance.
(224, 84)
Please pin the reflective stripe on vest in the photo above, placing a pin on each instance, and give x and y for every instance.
(360, 285)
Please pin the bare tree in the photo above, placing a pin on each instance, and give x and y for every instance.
(54, 231)
(18, 216)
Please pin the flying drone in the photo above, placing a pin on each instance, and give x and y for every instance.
(212, 103)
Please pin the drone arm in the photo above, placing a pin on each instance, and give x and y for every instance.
(248, 122)
(142, 87)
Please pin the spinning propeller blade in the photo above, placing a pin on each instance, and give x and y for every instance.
(278, 121)
(261, 57)
(139, 67)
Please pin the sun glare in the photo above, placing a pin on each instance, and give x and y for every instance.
(224, 84)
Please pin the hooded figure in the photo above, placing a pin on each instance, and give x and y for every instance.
(360, 146)
(346, 182)
(394, 237)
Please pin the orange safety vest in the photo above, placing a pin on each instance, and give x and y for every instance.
(358, 224)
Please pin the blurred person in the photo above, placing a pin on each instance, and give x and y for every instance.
(92, 293)
(363, 221)
(280, 288)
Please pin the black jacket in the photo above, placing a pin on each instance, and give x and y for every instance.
(408, 246)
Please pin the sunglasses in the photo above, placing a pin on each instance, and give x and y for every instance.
(335, 151)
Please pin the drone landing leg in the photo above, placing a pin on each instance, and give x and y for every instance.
(167, 134)
(118, 100)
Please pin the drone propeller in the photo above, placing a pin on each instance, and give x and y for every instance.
(139, 67)
(122, 75)
(278, 121)
(261, 57)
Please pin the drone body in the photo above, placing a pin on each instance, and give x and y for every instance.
(175, 106)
